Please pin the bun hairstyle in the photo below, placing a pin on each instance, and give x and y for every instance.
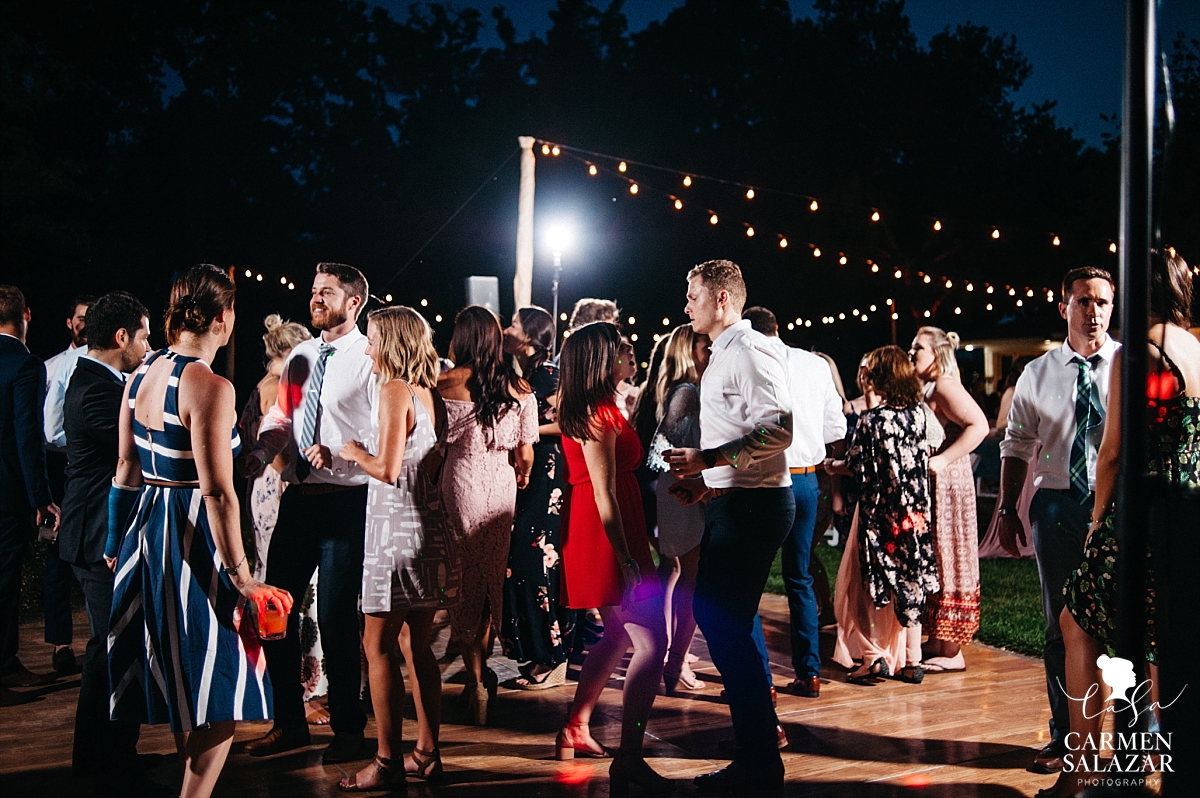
(197, 297)
(944, 343)
(282, 336)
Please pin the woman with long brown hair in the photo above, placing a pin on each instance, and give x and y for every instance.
(606, 554)
(182, 645)
(492, 426)
(411, 566)
(889, 557)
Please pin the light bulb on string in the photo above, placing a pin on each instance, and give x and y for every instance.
(1029, 292)
(713, 219)
(841, 259)
(842, 316)
(937, 225)
(816, 252)
(1020, 303)
(291, 286)
(995, 233)
(863, 317)
(678, 205)
(782, 242)
(889, 302)
(970, 286)
(928, 279)
(554, 151)
(387, 298)
(813, 206)
(895, 316)
(687, 181)
(749, 231)
(990, 289)
(749, 193)
(1112, 247)
(854, 312)
(545, 149)
(562, 316)
(949, 284)
(989, 306)
(258, 277)
(249, 273)
(633, 188)
(1012, 292)
(1056, 241)
(283, 281)
(622, 166)
(897, 274)
(425, 304)
(958, 311)
(874, 268)
(633, 337)
(1049, 296)
(592, 170)
(808, 322)
(791, 326)
(666, 322)
(928, 314)
(872, 308)
(438, 318)
(632, 321)
(874, 216)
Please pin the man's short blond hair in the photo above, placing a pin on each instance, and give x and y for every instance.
(722, 275)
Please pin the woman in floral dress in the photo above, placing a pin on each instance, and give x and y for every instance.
(537, 630)
(889, 556)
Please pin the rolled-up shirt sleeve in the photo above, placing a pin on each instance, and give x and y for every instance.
(275, 430)
(1021, 435)
(762, 381)
(833, 420)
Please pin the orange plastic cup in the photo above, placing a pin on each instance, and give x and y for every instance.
(272, 623)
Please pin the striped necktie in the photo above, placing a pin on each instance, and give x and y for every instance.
(312, 407)
(1088, 416)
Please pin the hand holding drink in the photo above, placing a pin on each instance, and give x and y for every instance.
(272, 620)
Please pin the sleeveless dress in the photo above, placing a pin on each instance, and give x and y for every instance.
(411, 554)
(591, 573)
(1173, 445)
(952, 614)
(480, 495)
(680, 526)
(178, 651)
(537, 628)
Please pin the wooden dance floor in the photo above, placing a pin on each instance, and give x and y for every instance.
(967, 734)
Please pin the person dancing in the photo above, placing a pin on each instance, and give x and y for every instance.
(411, 565)
(182, 649)
(606, 553)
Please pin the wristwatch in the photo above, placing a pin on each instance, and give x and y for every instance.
(709, 456)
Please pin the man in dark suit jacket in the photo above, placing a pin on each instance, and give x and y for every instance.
(118, 329)
(24, 488)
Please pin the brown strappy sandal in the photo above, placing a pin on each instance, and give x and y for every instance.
(388, 778)
(426, 765)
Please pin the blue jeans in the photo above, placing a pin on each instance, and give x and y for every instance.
(322, 531)
(742, 531)
(798, 581)
(1060, 525)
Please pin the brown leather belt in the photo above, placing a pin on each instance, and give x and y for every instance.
(321, 488)
(804, 470)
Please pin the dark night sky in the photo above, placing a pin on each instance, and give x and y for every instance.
(1076, 47)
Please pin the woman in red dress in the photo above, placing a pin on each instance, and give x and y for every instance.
(606, 552)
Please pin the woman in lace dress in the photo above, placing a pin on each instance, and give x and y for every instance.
(410, 554)
(492, 426)
(889, 556)
(952, 614)
(262, 500)
(680, 526)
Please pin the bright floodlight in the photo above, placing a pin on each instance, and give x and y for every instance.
(558, 238)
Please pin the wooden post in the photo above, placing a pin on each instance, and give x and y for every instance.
(523, 282)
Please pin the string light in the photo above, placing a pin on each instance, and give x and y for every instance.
(1019, 303)
(813, 206)
(928, 279)
(1012, 292)
(438, 318)
(990, 289)
(791, 326)
(872, 308)
(258, 278)
(854, 312)
(842, 316)
(633, 188)
(989, 306)
(387, 298)
(842, 259)
(687, 181)
(937, 225)
(291, 286)
(1049, 296)
(1029, 292)
(995, 233)
(864, 317)
(545, 149)
(874, 216)
(283, 281)
(816, 252)
(749, 231)
(562, 316)
(782, 242)
(895, 316)
(678, 205)
(889, 301)
(712, 219)
(249, 273)
(970, 286)
(808, 322)
(897, 274)
(554, 151)
(425, 304)
(1054, 242)
(874, 268)
(632, 321)
(949, 284)
(958, 311)
(749, 193)
(666, 322)
(633, 337)
(1112, 247)
(592, 170)
(928, 314)
(621, 167)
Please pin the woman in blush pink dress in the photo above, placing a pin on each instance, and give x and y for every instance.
(951, 615)
(492, 424)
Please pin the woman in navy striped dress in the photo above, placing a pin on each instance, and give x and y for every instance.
(182, 647)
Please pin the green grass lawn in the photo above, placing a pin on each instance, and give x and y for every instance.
(1010, 596)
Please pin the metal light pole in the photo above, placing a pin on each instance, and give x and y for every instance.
(554, 288)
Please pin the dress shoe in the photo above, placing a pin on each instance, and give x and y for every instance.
(808, 687)
(64, 661)
(345, 747)
(278, 740)
(1049, 759)
(739, 779)
(730, 746)
(23, 677)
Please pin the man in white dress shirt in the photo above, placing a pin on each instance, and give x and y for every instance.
(326, 398)
(817, 423)
(56, 589)
(1059, 403)
(745, 430)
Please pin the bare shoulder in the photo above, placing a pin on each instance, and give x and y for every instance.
(453, 384)
(395, 393)
(198, 384)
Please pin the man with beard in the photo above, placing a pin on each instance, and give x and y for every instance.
(325, 399)
(119, 332)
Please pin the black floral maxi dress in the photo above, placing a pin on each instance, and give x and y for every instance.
(536, 627)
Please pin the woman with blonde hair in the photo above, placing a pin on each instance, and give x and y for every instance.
(411, 566)
(263, 494)
(889, 557)
(680, 526)
(951, 616)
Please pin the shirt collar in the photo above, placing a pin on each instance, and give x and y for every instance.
(726, 338)
(341, 343)
(1105, 352)
(119, 375)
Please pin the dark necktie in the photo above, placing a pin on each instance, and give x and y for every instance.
(1088, 416)
(312, 407)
